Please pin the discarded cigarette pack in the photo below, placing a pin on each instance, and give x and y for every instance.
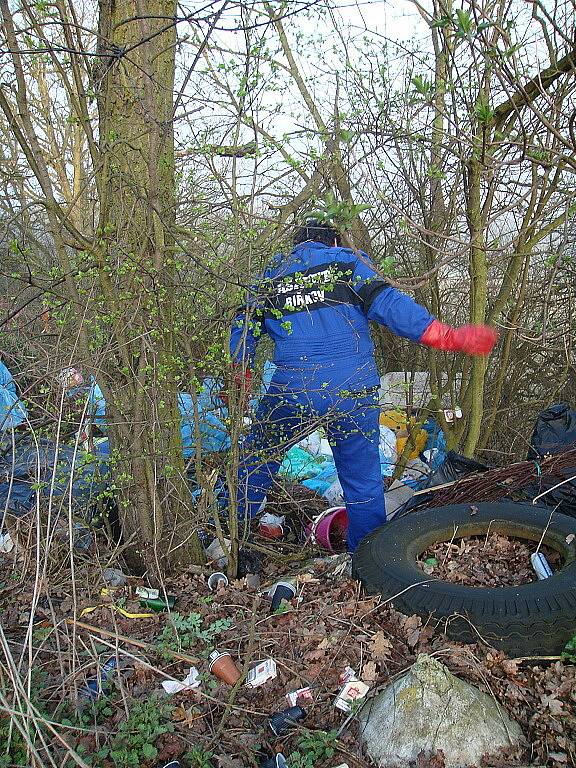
(261, 673)
(301, 693)
(347, 675)
(352, 691)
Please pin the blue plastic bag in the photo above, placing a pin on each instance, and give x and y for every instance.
(12, 410)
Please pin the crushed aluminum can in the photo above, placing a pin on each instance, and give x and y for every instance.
(278, 761)
(302, 693)
(261, 673)
(353, 691)
(541, 566)
(347, 675)
(282, 590)
(147, 593)
(93, 689)
(281, 722)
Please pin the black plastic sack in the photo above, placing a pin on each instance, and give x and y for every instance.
(454, 467)
(28, 463)
(554, 432)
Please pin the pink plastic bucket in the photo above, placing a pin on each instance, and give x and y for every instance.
(329, 529)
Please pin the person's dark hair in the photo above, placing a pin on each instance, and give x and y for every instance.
(315, 230)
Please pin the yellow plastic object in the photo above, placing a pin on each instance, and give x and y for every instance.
(117, 608)
(397, 422)
(421, 439)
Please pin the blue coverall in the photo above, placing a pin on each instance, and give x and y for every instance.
(315, 304)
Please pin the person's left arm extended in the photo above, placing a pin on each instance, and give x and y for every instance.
(405, 317)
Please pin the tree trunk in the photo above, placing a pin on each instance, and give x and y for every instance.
(135, 269)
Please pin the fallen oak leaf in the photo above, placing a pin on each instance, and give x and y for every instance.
(380, 646)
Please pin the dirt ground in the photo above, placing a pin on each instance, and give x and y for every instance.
(328, 626)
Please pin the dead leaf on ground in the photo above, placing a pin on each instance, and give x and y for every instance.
(369, 673)
(185, 716)
(380, 646)
(430, 759)
(510, 666)
(224, 761)
(554, 705)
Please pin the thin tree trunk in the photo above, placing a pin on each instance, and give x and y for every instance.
(135, 250)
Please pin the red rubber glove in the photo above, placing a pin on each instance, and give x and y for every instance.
(242, 382)
(243, 379)
(472, 339)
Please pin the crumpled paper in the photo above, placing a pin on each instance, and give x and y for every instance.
(192, 680)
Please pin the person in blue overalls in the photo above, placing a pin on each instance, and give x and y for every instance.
(316, 304)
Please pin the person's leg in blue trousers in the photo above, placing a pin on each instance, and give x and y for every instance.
(282, 419)
(354, 434)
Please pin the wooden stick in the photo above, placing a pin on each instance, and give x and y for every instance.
(138, 643)
(446, 485)
(538, 658)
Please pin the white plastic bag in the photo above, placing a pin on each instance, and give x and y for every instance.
(334, 494)
(311, 444)
(388, 453)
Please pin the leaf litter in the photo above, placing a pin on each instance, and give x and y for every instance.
(332, 626)
(484, 561)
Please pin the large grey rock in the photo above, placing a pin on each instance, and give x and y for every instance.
(430, 709)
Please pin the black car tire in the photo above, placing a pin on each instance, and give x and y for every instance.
(532, 619)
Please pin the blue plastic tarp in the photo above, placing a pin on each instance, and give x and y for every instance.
(213, 433)
(28, 468)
